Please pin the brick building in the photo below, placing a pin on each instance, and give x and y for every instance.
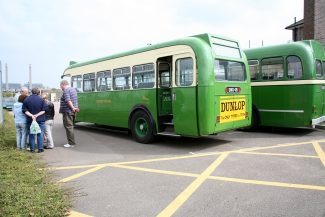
(313, 24)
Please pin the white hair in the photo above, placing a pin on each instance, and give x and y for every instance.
(24, 90)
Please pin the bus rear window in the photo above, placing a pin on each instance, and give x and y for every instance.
(225, 51)
(225, 70)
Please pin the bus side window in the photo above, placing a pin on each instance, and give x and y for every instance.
(272, 68)
(122, 78)
(76, 82)
(254, 68)
(319, 69)
(184, 72)
(104, 80)
(143, 76)
(323, 68)
(294, 67)
(89, 82)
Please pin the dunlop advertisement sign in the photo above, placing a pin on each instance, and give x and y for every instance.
(232, 108)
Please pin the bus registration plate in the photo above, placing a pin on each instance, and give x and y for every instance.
(232, 108)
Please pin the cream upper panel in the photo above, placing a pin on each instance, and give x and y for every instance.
(131, 60)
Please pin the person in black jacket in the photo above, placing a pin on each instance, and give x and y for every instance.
(49, 116)
(34, 107)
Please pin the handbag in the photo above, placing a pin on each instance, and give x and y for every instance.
(35, 128)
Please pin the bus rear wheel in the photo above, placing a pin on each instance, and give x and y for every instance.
(142, 128)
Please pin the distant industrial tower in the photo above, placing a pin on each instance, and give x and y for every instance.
(30, 77)
(7, 84)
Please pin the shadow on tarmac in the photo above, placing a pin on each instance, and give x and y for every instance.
(285, 131)
(179, 142)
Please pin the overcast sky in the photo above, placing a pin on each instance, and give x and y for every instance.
(48, 34)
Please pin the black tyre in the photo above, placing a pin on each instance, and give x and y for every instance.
(142, 127)
(255, 120)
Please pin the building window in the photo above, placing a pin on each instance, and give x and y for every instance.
(89, 82)
(121, 78)
(104, 80)
(272, 68)
(143, 76)
(294, 67)
(184, 72)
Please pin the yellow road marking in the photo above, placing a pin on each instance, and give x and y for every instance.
(77, 167)
(276, 184)
(78, 214)
(75, 176)
(137, 161)
(270, 147)
(166, 172)
(220, 178)
(181, 157)
(181, 198)
(320, 152)
(277, 154)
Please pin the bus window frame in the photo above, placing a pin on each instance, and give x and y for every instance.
(159, 73)
(154, 74)
(283, 67)
(128, 84)
(176, 72)
(258, 68)
(173, 69)
(96, 80)
(83, 82)
(323, 65)
(321, 68)
(287, 68)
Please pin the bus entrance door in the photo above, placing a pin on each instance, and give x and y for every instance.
(184, 95)
(165, 112)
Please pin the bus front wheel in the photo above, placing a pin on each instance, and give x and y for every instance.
(142, 128)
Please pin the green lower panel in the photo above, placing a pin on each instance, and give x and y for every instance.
(113, 108)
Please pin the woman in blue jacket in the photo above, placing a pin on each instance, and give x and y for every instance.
(20, 123)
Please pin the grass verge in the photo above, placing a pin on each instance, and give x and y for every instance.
(26, 189)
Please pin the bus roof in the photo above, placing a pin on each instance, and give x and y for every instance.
(294, 48)
(195, 42)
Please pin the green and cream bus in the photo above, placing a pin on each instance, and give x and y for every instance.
(194, 86)
(288, 84)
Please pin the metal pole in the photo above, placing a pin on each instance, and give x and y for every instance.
(1, 108)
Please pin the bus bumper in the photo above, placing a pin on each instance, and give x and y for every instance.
(317, 121)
